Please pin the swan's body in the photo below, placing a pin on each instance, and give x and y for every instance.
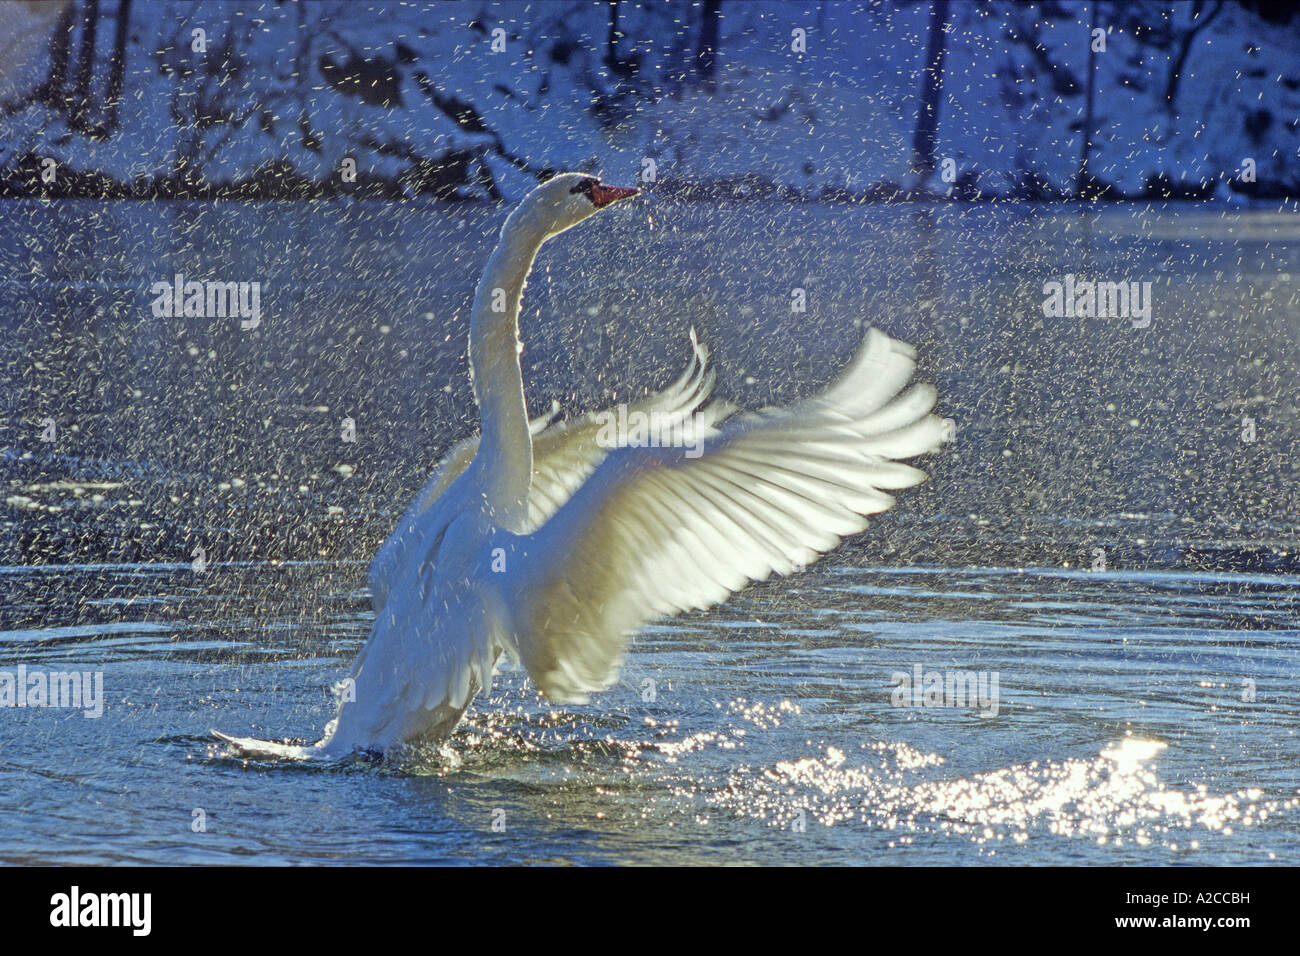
(539, 541)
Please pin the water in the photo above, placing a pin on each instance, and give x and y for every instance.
(1099, 536)
(1120, 737)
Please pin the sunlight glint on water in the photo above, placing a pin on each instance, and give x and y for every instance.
(771, 735)
(1146, 713)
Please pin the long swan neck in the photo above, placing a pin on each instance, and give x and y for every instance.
(506, 447)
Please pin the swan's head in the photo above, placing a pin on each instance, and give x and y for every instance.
(565, 200)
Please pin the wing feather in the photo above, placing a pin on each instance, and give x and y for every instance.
(653, 532)
(564, 455)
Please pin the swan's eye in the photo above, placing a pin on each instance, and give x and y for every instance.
(585, 187)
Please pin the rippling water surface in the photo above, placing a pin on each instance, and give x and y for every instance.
(766, 731)
(1111, 536)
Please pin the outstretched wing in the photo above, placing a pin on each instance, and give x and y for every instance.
(564, 455)
(654, 532)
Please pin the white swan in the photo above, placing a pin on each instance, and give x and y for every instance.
(537, 540)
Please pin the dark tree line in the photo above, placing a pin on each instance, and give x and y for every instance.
(70, 87)
(927, 117)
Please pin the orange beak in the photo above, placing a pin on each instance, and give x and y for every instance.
(602, 195)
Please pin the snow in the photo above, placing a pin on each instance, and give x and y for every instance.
(309, 84)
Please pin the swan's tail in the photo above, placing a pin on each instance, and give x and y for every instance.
(252, 747)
